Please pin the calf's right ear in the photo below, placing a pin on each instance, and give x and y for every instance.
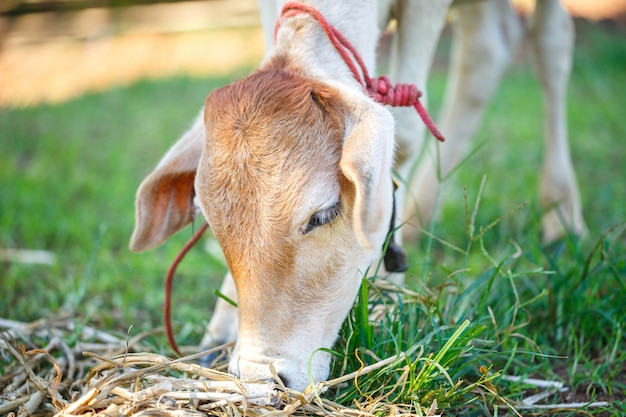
(366, 161)
(164, 202)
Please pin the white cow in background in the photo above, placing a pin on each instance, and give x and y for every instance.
(291, 166)
(487, 35)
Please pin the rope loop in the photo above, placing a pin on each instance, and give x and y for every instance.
(401, 95)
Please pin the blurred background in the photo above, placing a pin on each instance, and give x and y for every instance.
(94, 92)
(51, 50)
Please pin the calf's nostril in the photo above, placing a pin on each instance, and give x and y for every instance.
(283, 378)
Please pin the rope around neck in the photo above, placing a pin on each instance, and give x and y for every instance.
(380, 88)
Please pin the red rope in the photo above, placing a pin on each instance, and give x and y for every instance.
(169, 278)
(380, 89)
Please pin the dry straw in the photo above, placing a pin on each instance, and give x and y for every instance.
(112, 376)
(104, 378)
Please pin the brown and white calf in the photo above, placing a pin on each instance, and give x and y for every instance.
(291, 168)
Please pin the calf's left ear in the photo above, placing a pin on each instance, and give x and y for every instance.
(164, 202)
(366, 162)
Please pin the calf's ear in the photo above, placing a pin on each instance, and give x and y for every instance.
(164, 201)
(366, 162)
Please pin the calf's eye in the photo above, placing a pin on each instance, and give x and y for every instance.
(322, 217)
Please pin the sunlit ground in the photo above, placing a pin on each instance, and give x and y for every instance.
(589, 9)
(55, 56)
(48, 58)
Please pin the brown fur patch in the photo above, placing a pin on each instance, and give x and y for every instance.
(268, 137)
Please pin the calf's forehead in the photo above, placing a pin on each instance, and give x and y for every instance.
(272, 150)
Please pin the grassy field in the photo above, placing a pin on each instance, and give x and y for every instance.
(68, 175)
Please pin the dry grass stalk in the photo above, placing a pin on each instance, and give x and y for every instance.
(41, 372)
(112, 380)
(118, 378)
(27, 256)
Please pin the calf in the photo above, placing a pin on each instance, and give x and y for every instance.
(291, 168)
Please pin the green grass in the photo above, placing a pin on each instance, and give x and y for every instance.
(68, 178)
(68, 175)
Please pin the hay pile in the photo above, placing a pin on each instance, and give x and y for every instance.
(109, 376)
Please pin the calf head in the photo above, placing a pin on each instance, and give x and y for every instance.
(293, 176)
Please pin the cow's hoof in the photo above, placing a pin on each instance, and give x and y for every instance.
(215, 355)
(208, 361)
(395, 258)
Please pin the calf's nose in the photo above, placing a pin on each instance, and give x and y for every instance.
(269, 369)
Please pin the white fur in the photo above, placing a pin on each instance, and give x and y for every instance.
(486, 38)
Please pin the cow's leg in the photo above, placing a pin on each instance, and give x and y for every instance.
(269, 10)
(552, 36)
(224, 322)
(486, 35)
(419, 24)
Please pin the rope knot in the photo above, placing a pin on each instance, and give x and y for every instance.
(380, 88)
(401, 95)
